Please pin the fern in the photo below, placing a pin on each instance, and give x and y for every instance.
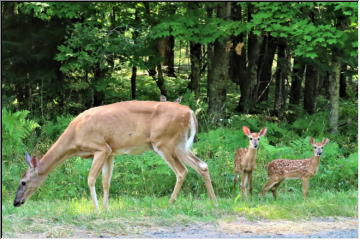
(15, 128)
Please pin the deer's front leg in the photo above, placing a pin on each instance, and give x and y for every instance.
(250, 182)
(243, 183)
(305, 186)
(236, 179)
(106, 179)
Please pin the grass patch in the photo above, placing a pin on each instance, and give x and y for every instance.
(128, 214)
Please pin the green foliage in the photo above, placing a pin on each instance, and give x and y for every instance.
(15, 128)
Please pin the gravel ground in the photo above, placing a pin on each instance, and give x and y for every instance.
(242, 228)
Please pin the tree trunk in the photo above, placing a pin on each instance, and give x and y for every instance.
(265, 66)
(334, 85)
(99, 96)
(165, 48)
(238, 57)
(310, 88)
(219, 69)
(195, 57)
(297, 77)
(160, 81)
(133, 82)
(280, 76)
(343, 84)
(248, 85)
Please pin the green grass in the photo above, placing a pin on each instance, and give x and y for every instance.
(61, 218)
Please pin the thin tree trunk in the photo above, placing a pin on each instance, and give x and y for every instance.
(195, 57)
(343, 84)
(297, 78)
(280, 76)
(265, 66)
(310, 88)
(160, 81)
(334, 85)
(133, 82)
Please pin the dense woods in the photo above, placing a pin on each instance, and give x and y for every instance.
(289, 66)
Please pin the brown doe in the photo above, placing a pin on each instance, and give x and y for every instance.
(282, 169)
(245, 159)
(131, 127)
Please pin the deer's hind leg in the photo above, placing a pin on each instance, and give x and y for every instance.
(270, 183)
(200, 167)
(178, 168)
(106, 179)
(274, 188)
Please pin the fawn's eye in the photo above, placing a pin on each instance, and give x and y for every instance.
(314, 147)
(258, 139)
(250, 138)
(23, 183)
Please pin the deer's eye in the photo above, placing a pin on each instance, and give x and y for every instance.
(258, 139)
(250, 138)
(314, 147)
(23, 183)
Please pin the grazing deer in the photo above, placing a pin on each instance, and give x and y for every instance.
(304, 169)
(121, 128)
(245, 159)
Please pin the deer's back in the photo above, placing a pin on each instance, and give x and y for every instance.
(289, 168)
(130, 127)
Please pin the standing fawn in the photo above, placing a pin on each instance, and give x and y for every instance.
(245, 159)
(304, 169)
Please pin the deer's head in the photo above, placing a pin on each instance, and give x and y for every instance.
(318, 147)
(254, 138)
(29, 182)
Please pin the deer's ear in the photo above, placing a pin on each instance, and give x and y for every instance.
(34, 162)
(246, 130)
(262, 132)
(31, 161)
(312, 140)
(28, 159)
(325, 141)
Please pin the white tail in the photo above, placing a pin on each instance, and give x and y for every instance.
(304, 169)
(122, 128)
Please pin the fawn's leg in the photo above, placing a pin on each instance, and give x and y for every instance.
(270, 183)
(250, 182)
(236, 179)
(243, 183)
(305, 186)
(274, 188)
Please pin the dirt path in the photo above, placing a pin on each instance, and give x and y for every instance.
(242, 228)
(233, 227)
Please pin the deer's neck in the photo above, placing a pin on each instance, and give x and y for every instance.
(314, 162)
(251, 154)
(58, 152)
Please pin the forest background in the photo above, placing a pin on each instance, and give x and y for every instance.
(290, 67)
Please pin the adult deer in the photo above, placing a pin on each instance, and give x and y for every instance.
(245, 159)
(121, 128)
(304, 169)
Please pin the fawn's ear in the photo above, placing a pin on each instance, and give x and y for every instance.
(262, 132)
(246, 130)
(325, 141)
(312, 141)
